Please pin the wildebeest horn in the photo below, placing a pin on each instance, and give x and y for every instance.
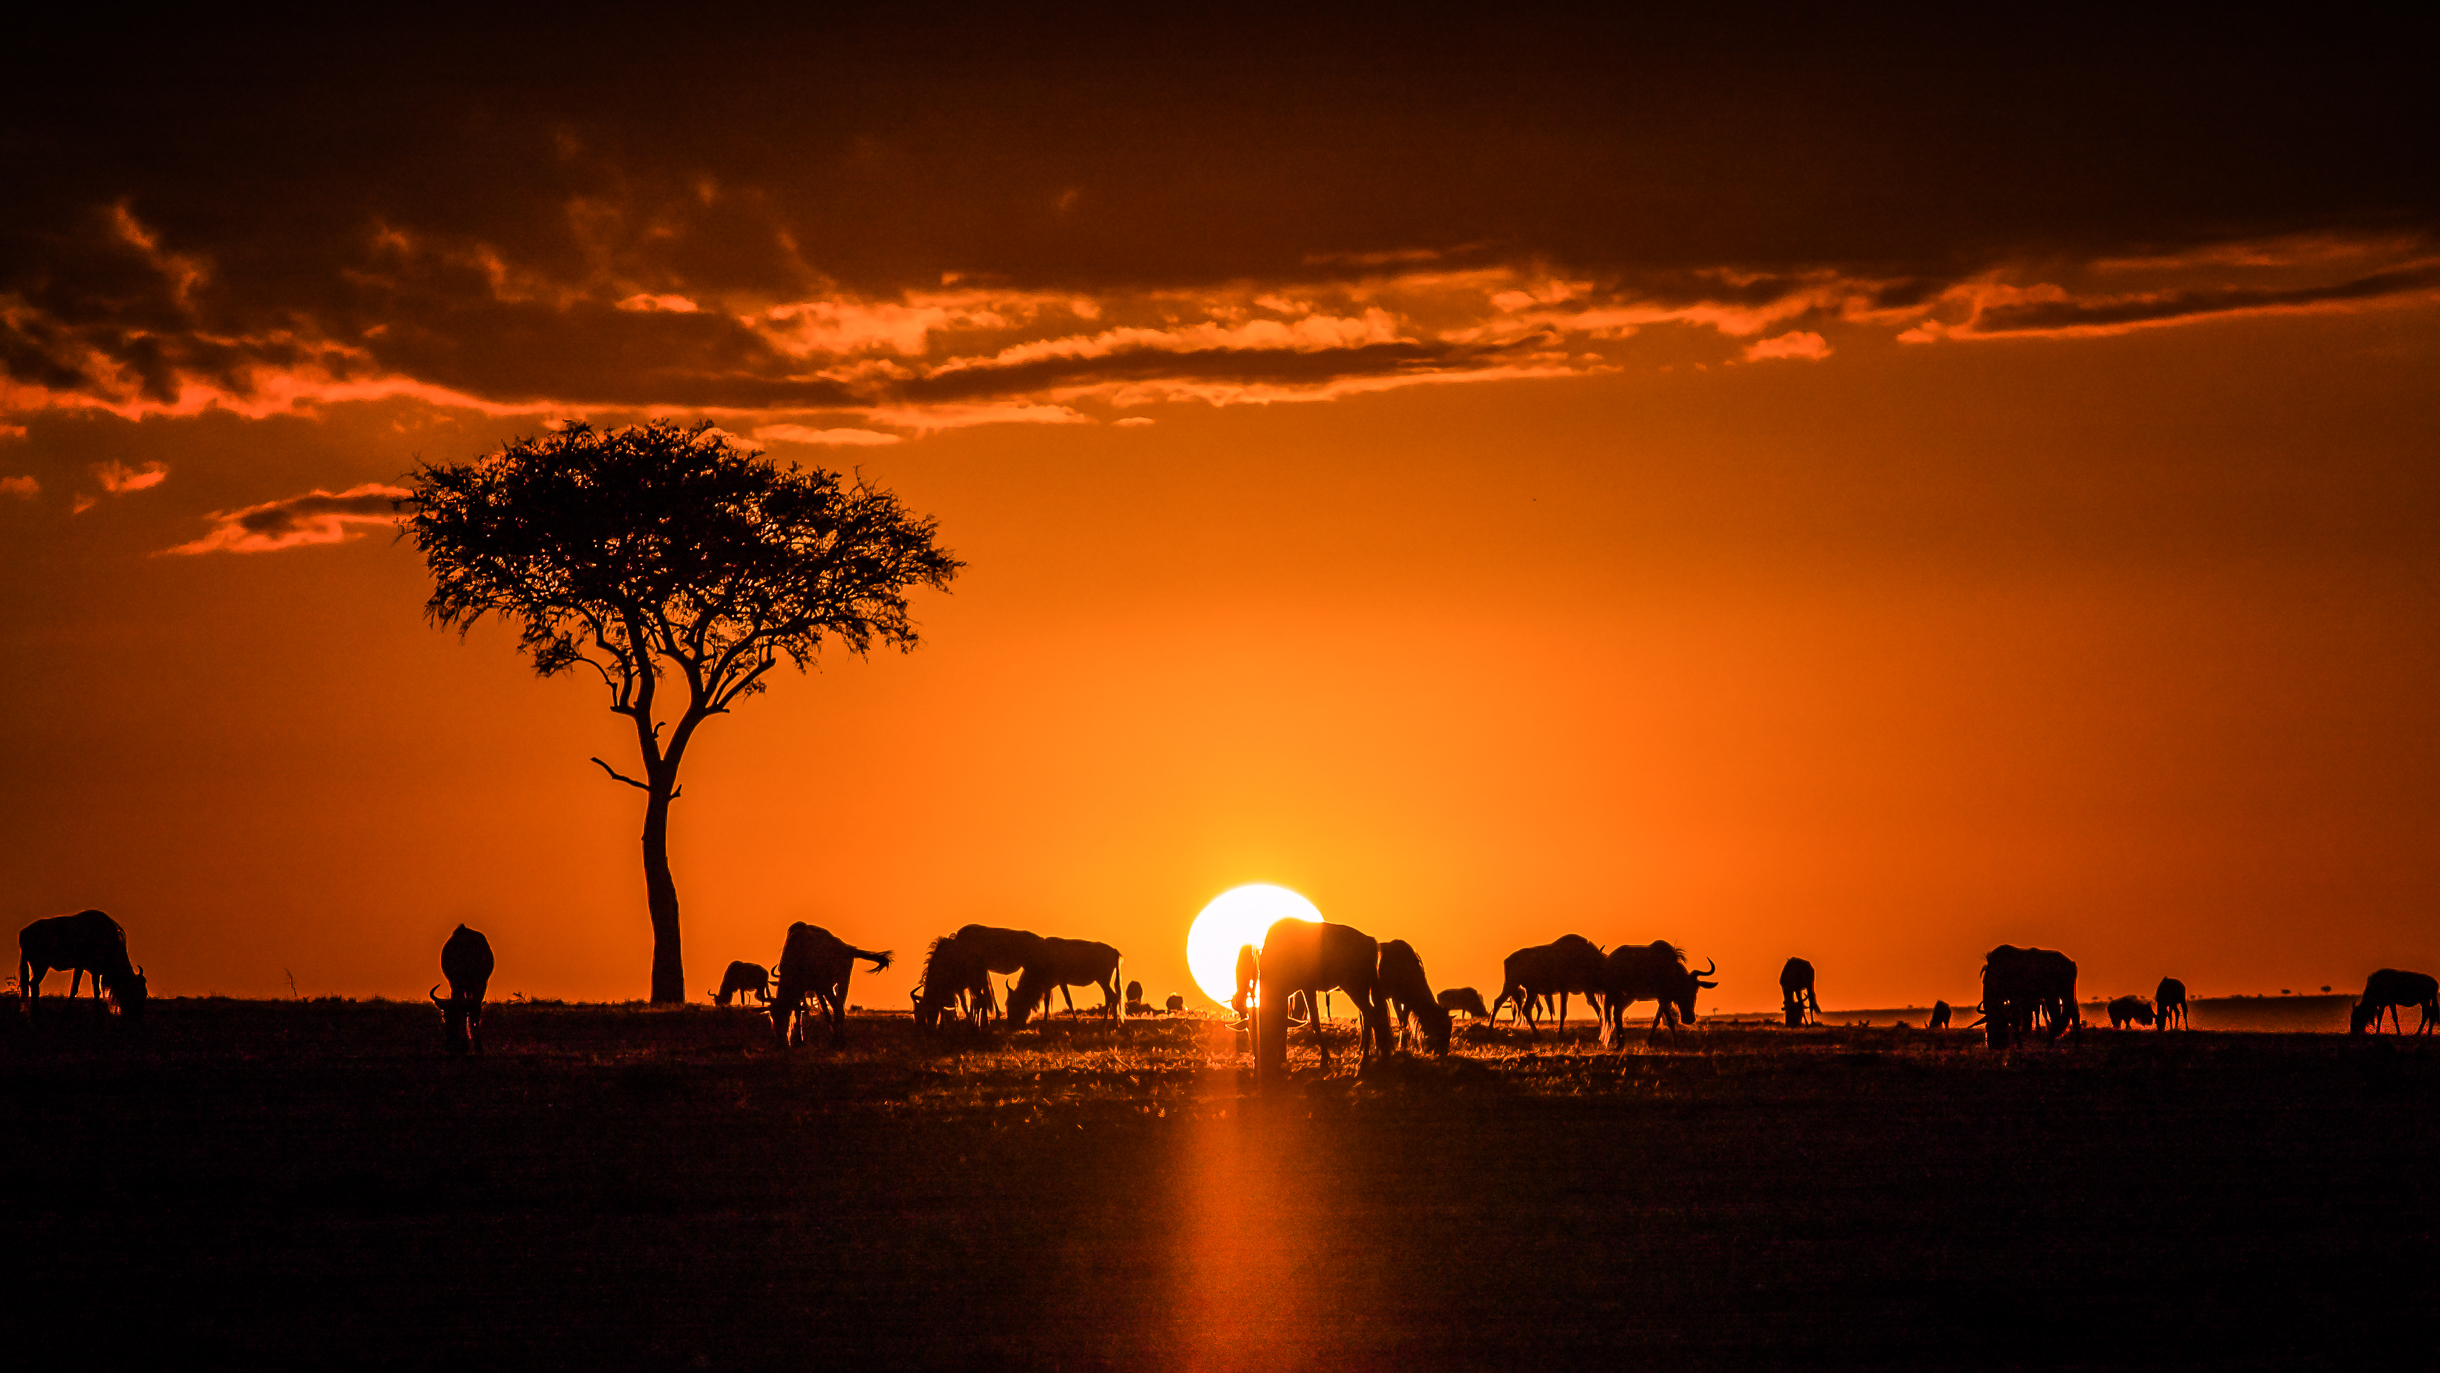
(436, 995)
(1715, 967)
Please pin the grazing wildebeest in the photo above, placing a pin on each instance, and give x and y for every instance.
(1796, 996)
(1403, 988)
(2168, 1000)
(1570, 963)
(1061, 964)
(816, 963)
(1939, 1018)
(1650, 972)
(87, 942)
(466, 962)
(1175, 1005)
(1454, 999)
(1305, 957)
(958, 970)
(2389, 989)
(1136, 1005)
(744, 979)
(2019, 984)
(2129, 1010)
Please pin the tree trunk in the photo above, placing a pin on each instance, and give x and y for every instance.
(661, 898)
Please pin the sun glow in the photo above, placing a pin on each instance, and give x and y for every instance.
(1235, 918)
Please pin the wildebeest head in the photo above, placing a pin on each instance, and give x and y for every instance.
(1435, 1019)
(130, 993)
(2363, 1014)
(459, 1016)
(1684, 994)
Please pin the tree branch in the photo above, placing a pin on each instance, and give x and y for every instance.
(616, 775)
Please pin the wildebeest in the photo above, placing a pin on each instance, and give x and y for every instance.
(2129, 1010)
(1248, 974)
(87, 942)
(958, 970)
(466, 962)
(744, 979)
(1404, 989)
(2168, 1000)
(816, 963)
(1570, 963)
(1939, 1019)
(2389, 989)
(1650, 972)
(1061, 964)
(1309, 957)
(1796, 999)
(1175, 1005)
(1465, 999)
(2019, 984)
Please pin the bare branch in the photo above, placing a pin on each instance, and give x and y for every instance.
(616, 775)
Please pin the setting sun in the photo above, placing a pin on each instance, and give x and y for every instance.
(1235, 918)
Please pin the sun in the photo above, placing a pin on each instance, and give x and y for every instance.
(1235, 918)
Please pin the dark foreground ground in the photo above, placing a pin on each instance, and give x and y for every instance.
(610, 1186)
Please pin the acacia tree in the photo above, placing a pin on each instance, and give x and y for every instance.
(679, 567)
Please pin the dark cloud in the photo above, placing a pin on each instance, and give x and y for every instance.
(2164, 307)
(317, 517)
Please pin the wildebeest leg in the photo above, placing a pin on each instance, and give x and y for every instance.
(1321, 1041)
(1068, 997)
(75, 980)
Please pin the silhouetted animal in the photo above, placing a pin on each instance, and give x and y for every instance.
(1570, 963)
(1464, 999)
(1796, 998)
(1061, 964)
(2129, 1010)
(1404, 989)
(2168, 1000)
(744, 979)
(1136, 1005)
(87, 942)
(1940, 1016)
(466, 962)
(1308, 957)
(816, 963)
(1248, 972)
(1175, 1005)
(2389, 989)
(1650, 972)
(2020, 985)
(958, 970)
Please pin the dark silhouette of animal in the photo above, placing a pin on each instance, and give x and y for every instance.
(744, 979)
(1939, 1018)
(1061, 964)
(1570, 963)
(1404, 988)
(2168, 1000)
(2021, 986)
(86, 943)
(1650, 972)
(1175, 1005)
(2389, 989)
(2129, 1010)
(1454, 999)
(1136, 1005)
(1305, 957)
(466, 962)
(957, 971)
(1796, 999)
(815, 963)
(1248, 973)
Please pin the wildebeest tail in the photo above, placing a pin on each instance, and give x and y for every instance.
(878, 960)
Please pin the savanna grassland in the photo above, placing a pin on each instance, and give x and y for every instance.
(615, 1186)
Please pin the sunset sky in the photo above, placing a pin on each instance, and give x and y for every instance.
(1786, 485)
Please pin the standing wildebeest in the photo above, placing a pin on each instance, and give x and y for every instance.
(2129, 1010)
(1454, 999)
(2018, 984)
(814, 962)
(1939, 1018)
(958, 970)
(87, 942)
(466, 962)
(1064, 963)
(2389, 989)
(2168, 1000)
(744, 979)
(1306, 957)
(1796, 996)
(1650, 972)
(1404, 988)
(1570, 963)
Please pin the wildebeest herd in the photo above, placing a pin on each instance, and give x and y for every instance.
(1281, 984)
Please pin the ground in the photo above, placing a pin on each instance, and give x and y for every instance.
(626, 1187)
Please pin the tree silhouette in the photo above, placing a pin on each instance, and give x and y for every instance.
(666, 558)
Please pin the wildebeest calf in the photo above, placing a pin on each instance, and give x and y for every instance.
(2129, 1010)
(466, 962)
(86, 942)
(1454, 999)
(744, 979)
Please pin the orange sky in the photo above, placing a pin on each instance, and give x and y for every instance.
(1900, 580)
